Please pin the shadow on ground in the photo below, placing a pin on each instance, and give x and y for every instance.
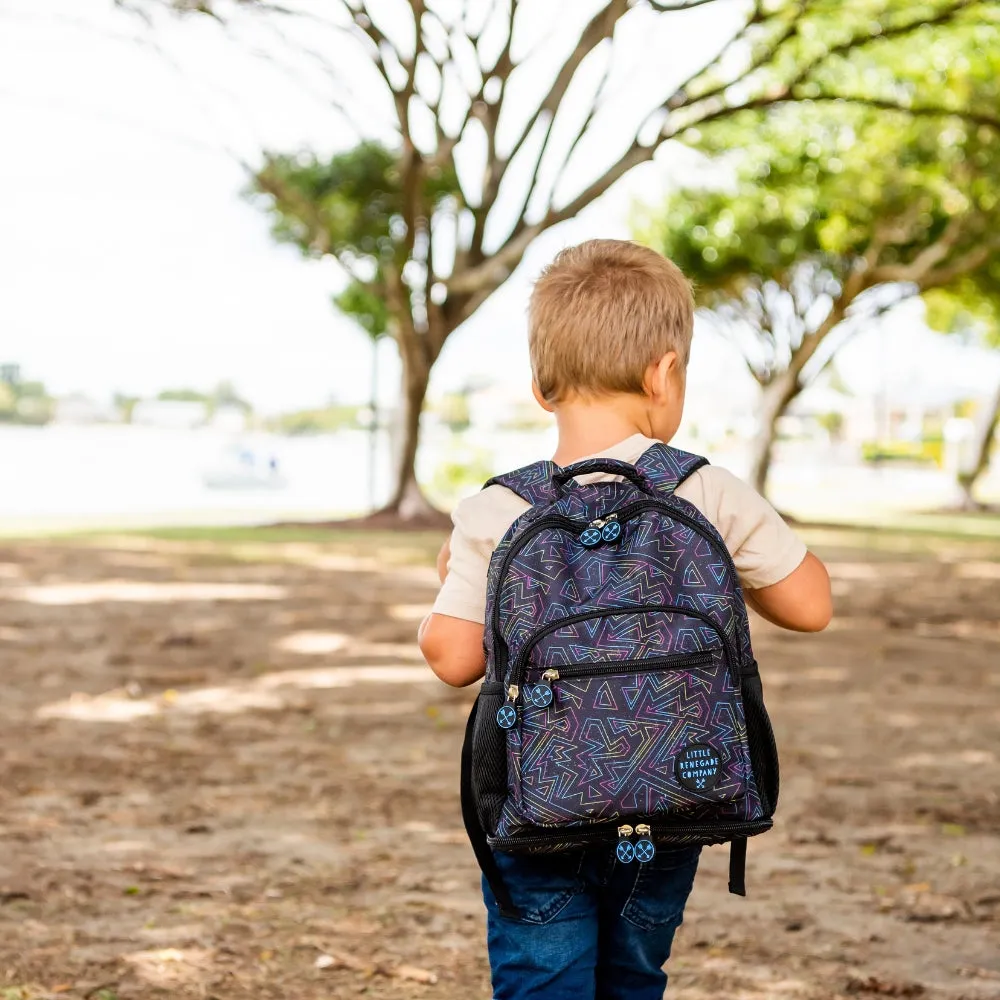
(226, 774)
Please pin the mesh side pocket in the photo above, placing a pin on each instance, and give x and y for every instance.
(489, 757)
(760, 737)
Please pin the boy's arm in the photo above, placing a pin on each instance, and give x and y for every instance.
(782, 581)
(452, 647)
(801, 602)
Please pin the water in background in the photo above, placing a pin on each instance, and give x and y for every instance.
(84, 476)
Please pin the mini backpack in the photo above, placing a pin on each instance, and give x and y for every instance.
(622, 703)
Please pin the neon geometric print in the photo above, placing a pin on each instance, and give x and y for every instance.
(639, 647)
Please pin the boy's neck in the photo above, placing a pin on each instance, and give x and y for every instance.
(587, 427)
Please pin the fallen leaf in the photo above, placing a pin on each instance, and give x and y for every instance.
(415, 974)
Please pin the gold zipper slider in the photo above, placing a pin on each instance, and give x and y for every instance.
(513, 691)
(643, 830)
(550, 675)
(625, 831)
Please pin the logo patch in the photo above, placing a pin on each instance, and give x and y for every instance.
(699, 767)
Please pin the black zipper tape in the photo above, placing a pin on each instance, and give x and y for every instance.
(605, 668)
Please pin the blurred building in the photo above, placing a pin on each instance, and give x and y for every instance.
(170, 413)
(78, 408)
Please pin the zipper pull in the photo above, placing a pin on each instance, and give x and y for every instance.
(645, 849)
(507, 712)
(611, 529)
(625, 851)
(591, 535)
(541, 694)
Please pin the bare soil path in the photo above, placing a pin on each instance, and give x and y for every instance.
(224, 773)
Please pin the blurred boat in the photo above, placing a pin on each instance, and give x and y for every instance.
(242, 467)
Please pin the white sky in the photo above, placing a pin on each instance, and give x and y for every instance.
(129, 261)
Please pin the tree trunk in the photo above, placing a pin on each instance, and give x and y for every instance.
(774, 400)
(408, 502)
(967, 478)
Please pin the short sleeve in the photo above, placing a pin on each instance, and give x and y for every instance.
(480, 522)
(764, 549)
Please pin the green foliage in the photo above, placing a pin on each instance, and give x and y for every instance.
(815, 193)
(326, 420)
(224, 394)
(970, 309)
(530, 417)
(453, 409)
(350, 205)
(365, 307)
(460, 475)
(832, 422)
(182, 396)
(125, 404)
(25, 403)
(920, 452)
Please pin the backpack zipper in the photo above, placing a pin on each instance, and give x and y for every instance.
(606, 668)
(621, 514)
(519, 666)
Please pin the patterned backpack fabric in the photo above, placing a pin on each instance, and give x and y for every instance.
(622, 703)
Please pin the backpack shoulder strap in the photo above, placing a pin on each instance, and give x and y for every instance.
(532, 483)
(668, 467)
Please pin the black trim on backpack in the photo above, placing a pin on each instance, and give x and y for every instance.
(738, 866)
(474, 829)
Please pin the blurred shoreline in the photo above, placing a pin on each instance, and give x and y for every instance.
(70, 478)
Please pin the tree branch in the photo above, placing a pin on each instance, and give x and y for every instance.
(681, 96)
(595, 106)
(499, 266)
(965, 264)
(600, 27)
(489, 114)
(671, 8)
(786, 93)
(982, 118)
(917, 269)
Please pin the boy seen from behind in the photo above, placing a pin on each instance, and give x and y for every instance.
(610, 327)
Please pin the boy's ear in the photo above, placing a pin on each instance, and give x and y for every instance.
(659, 376)
(540, 399)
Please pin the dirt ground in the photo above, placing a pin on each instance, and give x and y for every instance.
(225, 774)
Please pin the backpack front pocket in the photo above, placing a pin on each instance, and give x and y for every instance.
(655, 736)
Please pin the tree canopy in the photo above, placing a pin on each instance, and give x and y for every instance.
(827, 213)
(480, 125)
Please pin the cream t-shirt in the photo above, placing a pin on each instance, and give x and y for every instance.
(764, 549)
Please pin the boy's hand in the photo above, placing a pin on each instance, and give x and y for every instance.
(453, 648)
(801, 602)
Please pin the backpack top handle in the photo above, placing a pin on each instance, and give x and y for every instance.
(610, 466)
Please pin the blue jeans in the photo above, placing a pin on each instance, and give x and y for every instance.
(590, 928)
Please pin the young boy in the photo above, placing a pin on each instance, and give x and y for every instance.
(610, 327)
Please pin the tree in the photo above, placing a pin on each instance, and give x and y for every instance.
(431, 216)
(834, 213)
(972, 309)
(372, 315)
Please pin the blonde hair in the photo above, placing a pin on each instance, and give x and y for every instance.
(601, 313)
